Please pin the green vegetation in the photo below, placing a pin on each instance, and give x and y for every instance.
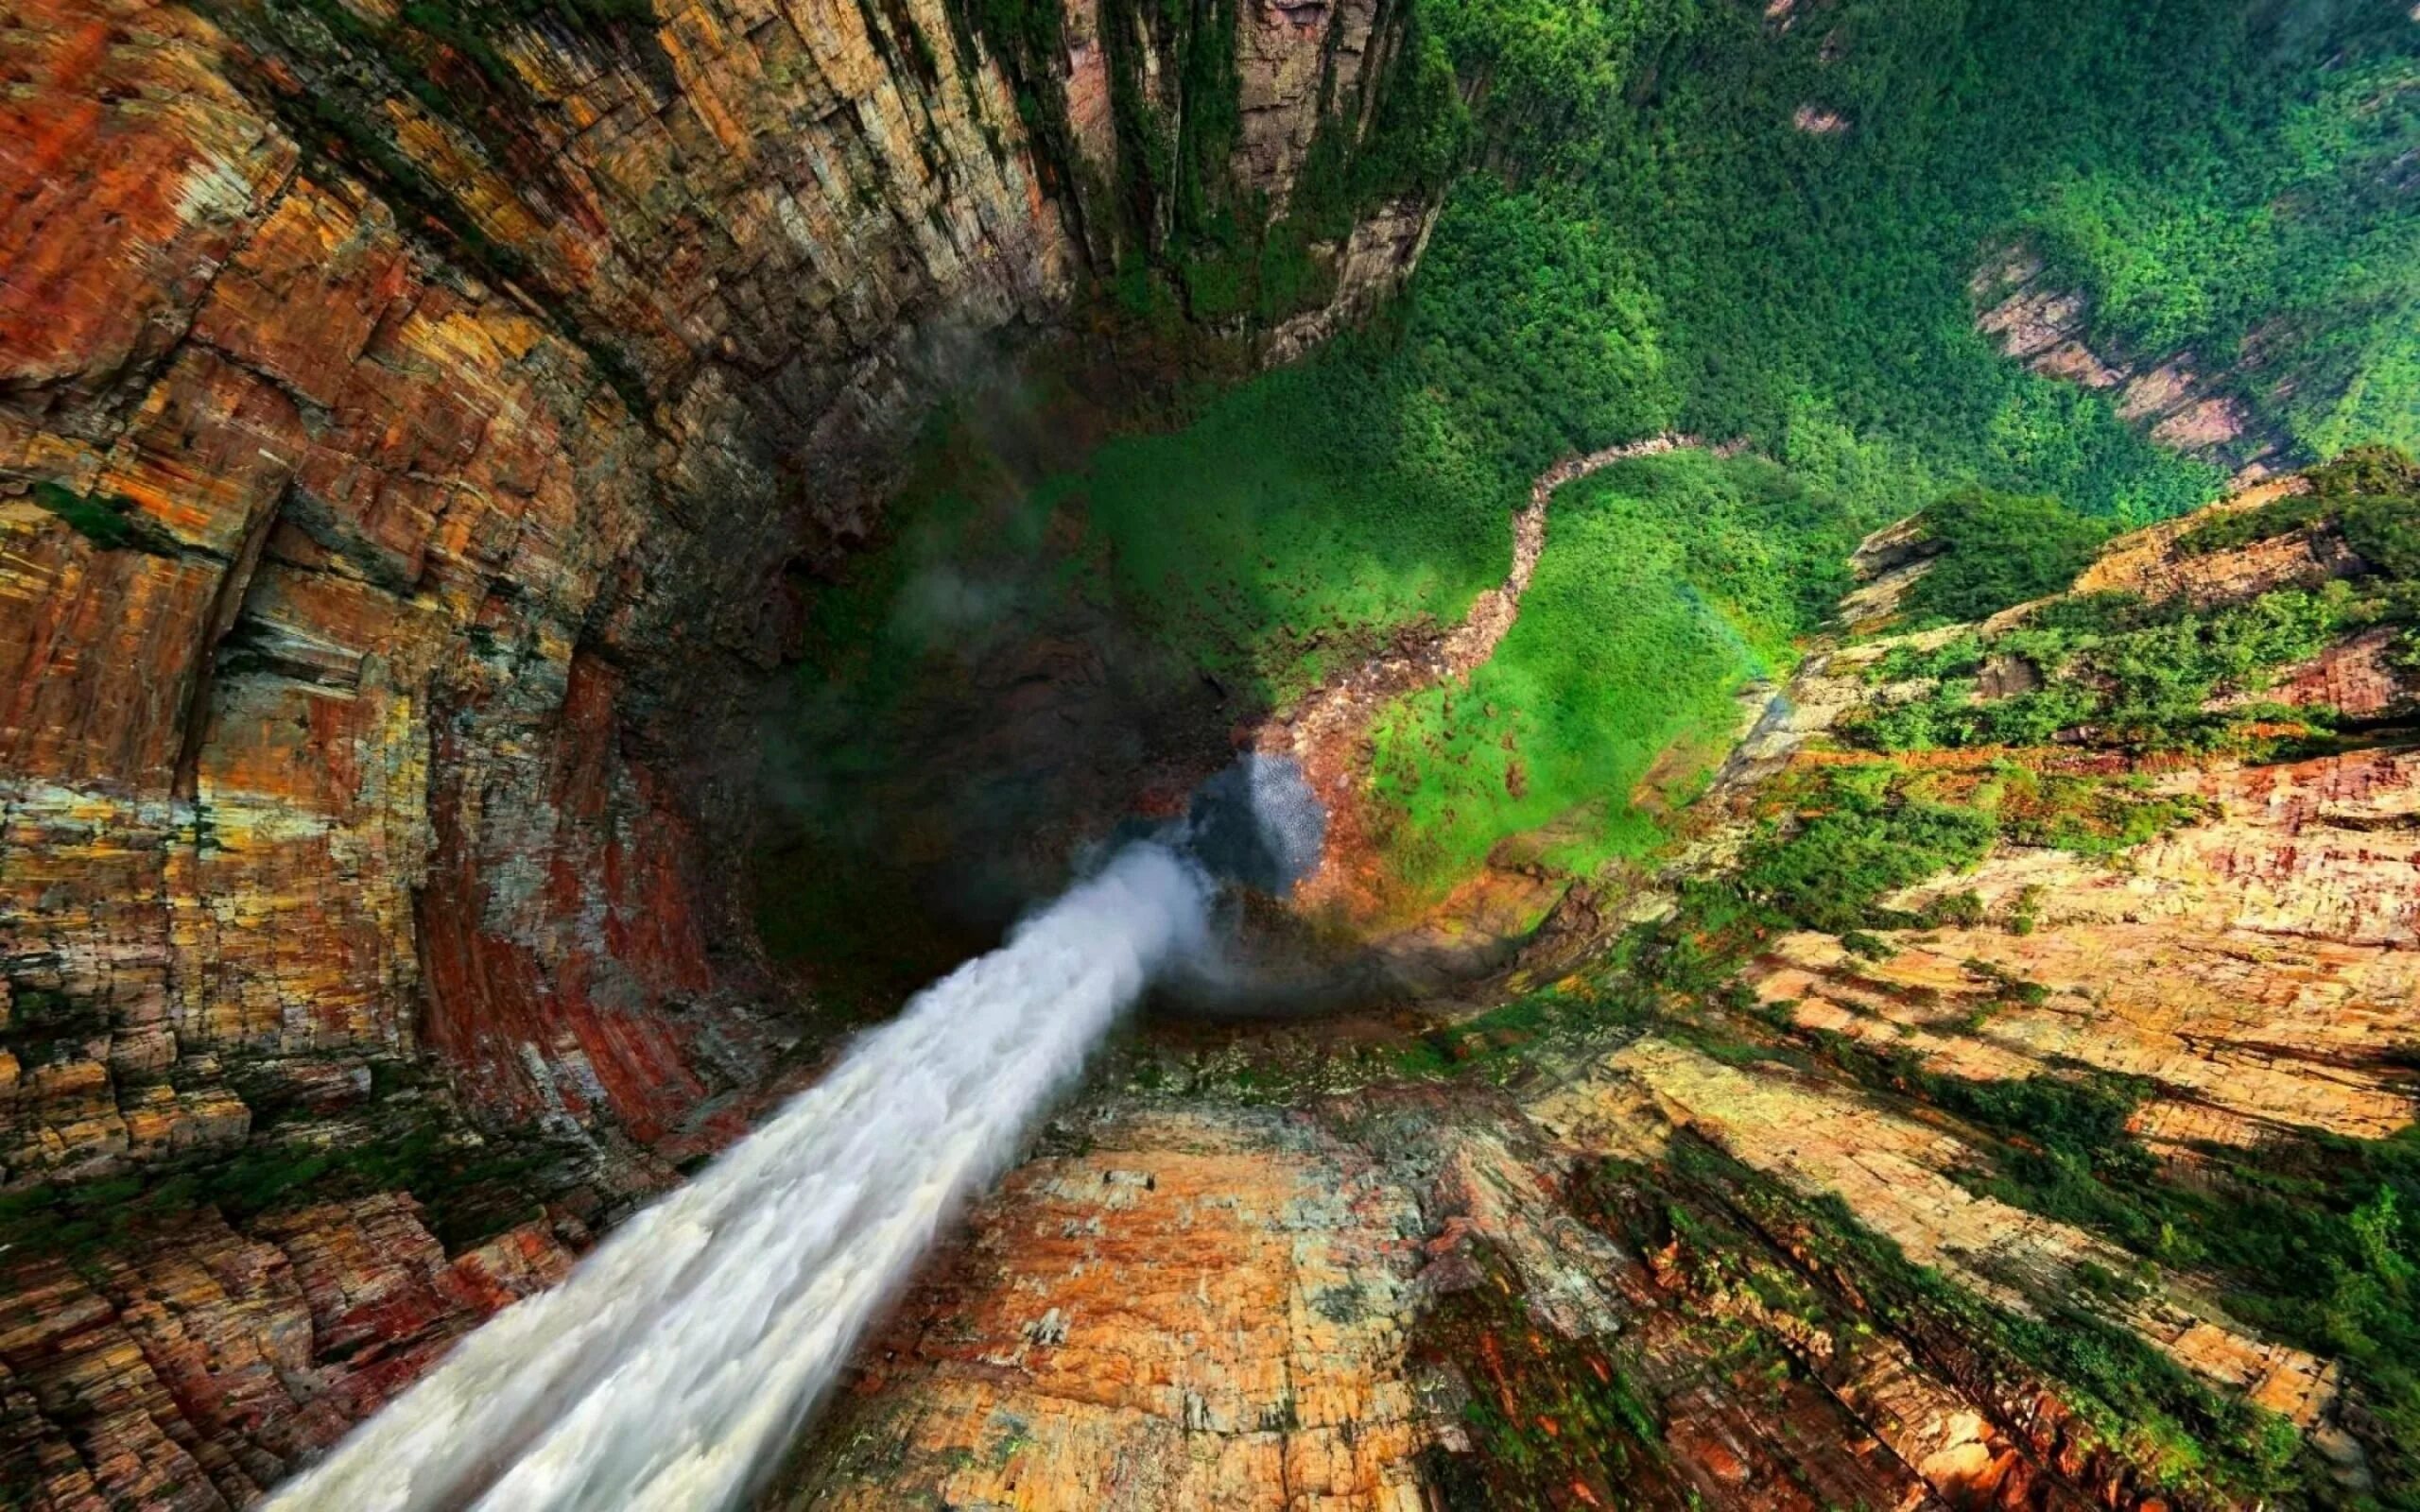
(1861, 834)
(2184, 1435)
(1651, 246)
(2311, 1235)
(1994, 550)
(1648, 244)
(1666, 583)
(2370, 496)
(107, 521)
(2217, 177)
(1299, 517)
(2147, 686)
(2308, 1239)
(471, 1190)
(2116, 671)
(1671, 252)
(2089, 815)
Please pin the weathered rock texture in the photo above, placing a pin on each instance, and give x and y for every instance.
(2149, 562)
(1226, 1308)
(1196, 1312)
(2173, 397)
(2258, 966)
(1223, 1306)
(403, 436)
(194, 1376)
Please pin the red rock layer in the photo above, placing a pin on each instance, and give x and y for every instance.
(191, 1374)
(334, 746)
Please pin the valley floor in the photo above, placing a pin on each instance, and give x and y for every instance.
(2044, 1185)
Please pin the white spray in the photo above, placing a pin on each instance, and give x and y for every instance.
(685, 1353)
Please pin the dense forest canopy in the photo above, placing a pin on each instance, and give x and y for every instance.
(1771, 229)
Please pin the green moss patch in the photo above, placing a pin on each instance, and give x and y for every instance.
(107, 521)
(1666, 583)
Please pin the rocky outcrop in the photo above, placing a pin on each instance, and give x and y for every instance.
(192, 1373)
(2258, 966)
(1199, 1311)
(1372, 263)
(1896, 1174)
(401, 529)
(2151, 564)
(2255, 964)
(407, 415)
(1403, 1298)
(1228, 1307)
(2173, 397)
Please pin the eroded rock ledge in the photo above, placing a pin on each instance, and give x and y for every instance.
(1728, 1248)
(404, 433)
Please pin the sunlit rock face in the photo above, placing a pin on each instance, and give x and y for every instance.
(191, 1374)
(403, 440)
(339, 727)
(1611, 1264)
(406, 539)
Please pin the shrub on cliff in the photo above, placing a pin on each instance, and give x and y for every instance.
(1997, 550)
(2370, 495)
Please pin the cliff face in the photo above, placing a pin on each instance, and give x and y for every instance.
(189, 1376)
(405, 420)
(2173, 396)
(1765, 1222)
(355, 524)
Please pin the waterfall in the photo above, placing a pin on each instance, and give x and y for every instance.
(682, 1356)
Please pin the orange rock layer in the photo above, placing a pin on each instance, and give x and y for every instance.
(402, 447)
(191, 1374)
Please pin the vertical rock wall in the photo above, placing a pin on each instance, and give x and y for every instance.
(404, 422)
(400, 423)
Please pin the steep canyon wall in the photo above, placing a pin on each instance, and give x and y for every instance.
(405, 418)
(358, 530)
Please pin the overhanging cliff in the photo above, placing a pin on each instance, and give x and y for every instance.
(405, 415)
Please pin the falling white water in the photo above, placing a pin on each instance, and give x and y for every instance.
(685, 1352)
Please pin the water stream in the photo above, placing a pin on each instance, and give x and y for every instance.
(681, 1358)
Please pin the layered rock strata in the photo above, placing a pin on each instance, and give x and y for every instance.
(407, 417)
(356, 522)
(2175, 398)
(194, 1376)
(1622, 1280)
